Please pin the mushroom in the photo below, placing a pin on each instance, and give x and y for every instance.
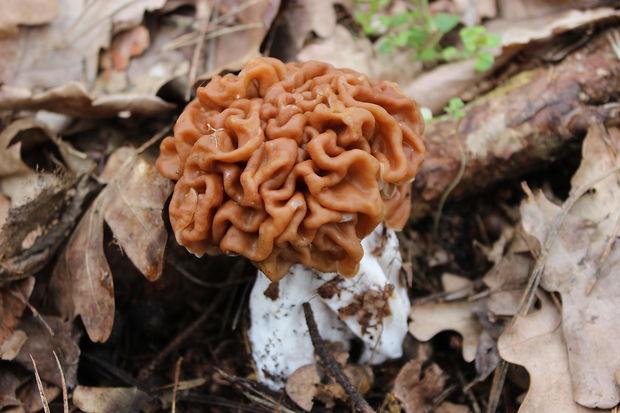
(294, 166)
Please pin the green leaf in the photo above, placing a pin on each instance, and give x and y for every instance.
(445, 22)
(400, 19)
(454, 108)
(385, 20)
(449, 53)
(385, 47)
(427, 54)
(492, 40)
(471, 37)
(484, 61)
(401, 38)
(417, 37)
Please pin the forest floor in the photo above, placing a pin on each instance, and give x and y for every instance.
(510, 256)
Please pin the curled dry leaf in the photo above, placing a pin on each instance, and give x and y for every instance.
(131, 205)
(41, 344)
(145, 74)
(301, 386)
(74, 100)
(25, 12)
(416, 387)
(110, 399)
(583, 264)
(125, 45)
(13, 299)
(427, 320)
(536, 342)
(9, 382)
(54, 66)
(540, 26)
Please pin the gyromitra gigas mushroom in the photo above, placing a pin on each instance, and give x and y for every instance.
(293, 165)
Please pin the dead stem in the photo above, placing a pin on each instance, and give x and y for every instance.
(327, 359)
(46, 406)
(175, 387)
(65, 397)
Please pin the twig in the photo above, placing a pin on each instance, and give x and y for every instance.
(536, 275)
(155, 138)
(203, 14)
(46, 406)
(175, 387)
(499, 377)
(147, 370)
(330, 363)
(35, 313)
(255, 391)
(65, 397)
(457, 179)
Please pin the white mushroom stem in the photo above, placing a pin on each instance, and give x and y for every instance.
(373, 306)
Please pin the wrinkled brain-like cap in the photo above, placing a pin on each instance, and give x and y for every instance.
(291, 163)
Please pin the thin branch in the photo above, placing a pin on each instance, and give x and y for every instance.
(45, 404)
(65, 397)
(175, 387)
(330, 363)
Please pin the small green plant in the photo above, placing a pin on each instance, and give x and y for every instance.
(421, 31)
(454, 108)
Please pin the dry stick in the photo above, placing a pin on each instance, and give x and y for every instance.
(535, 277)
(147, 370)
(330, 363)
(203, 15)
(155, 138)
(65, 397)
(46, 406)
(175, 387)
(33, 310)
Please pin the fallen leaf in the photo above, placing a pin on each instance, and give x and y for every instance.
(67, 49)
(9, 383)
(447, 407)
(10, 348)
(25, 12)
(125, 45)
(41, 344)
(540, 26)
(157, 65)
(301, 386)
(342, 49)
(536, 343)
(245, 28)
(429, 319)
(30, 397)
(74, 100)
(309, 16)
(416, 387)
(131, 205)
(13, 299)
(38, 228)
(527, 9)
(110, 399)
(5, 205)
(582, 265)
(54, 67)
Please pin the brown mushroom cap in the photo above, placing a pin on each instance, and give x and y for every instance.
(291, 163)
